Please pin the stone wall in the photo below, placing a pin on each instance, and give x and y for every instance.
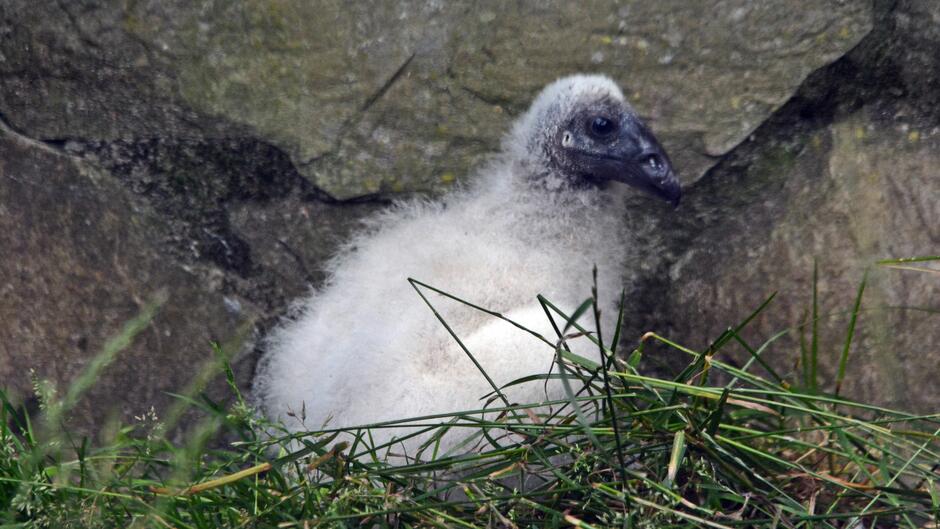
(217, 152)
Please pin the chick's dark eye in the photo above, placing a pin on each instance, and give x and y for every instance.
(601, 126)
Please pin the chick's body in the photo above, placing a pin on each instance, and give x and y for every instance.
(367, 337)
(366, 348)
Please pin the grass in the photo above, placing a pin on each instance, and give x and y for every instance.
(624, 448)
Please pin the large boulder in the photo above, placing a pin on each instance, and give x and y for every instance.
(405, 96)
(832, 202)
(843, 177)
(80, 260)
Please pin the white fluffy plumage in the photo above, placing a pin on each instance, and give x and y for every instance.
(365, 348)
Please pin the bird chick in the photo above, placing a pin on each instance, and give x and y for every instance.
(538, 217)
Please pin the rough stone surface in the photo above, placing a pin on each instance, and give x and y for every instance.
(79, 261)
(840, 198)
(220, 151)
(84, 250)
(841, 177)
(404, 96)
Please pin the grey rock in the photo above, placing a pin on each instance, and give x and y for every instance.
(842, 177)
(405, 96)
(81, 259)
(847, 196)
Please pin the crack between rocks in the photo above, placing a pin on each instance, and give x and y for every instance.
(50, 146)
(387, 85)
(78, 28)
(505, 103)
(369, 102)
(332, 151)
(298, 259)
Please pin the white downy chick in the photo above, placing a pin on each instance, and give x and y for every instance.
(365, 348)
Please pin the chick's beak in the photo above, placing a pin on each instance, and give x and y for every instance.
(637, 159)
(669, 190)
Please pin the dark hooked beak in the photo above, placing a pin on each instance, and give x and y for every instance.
(637, 159)
(666, 187)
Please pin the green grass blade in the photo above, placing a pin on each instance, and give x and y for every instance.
(476, 363)
(905, 260)
(814, 343)
(844, 358)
